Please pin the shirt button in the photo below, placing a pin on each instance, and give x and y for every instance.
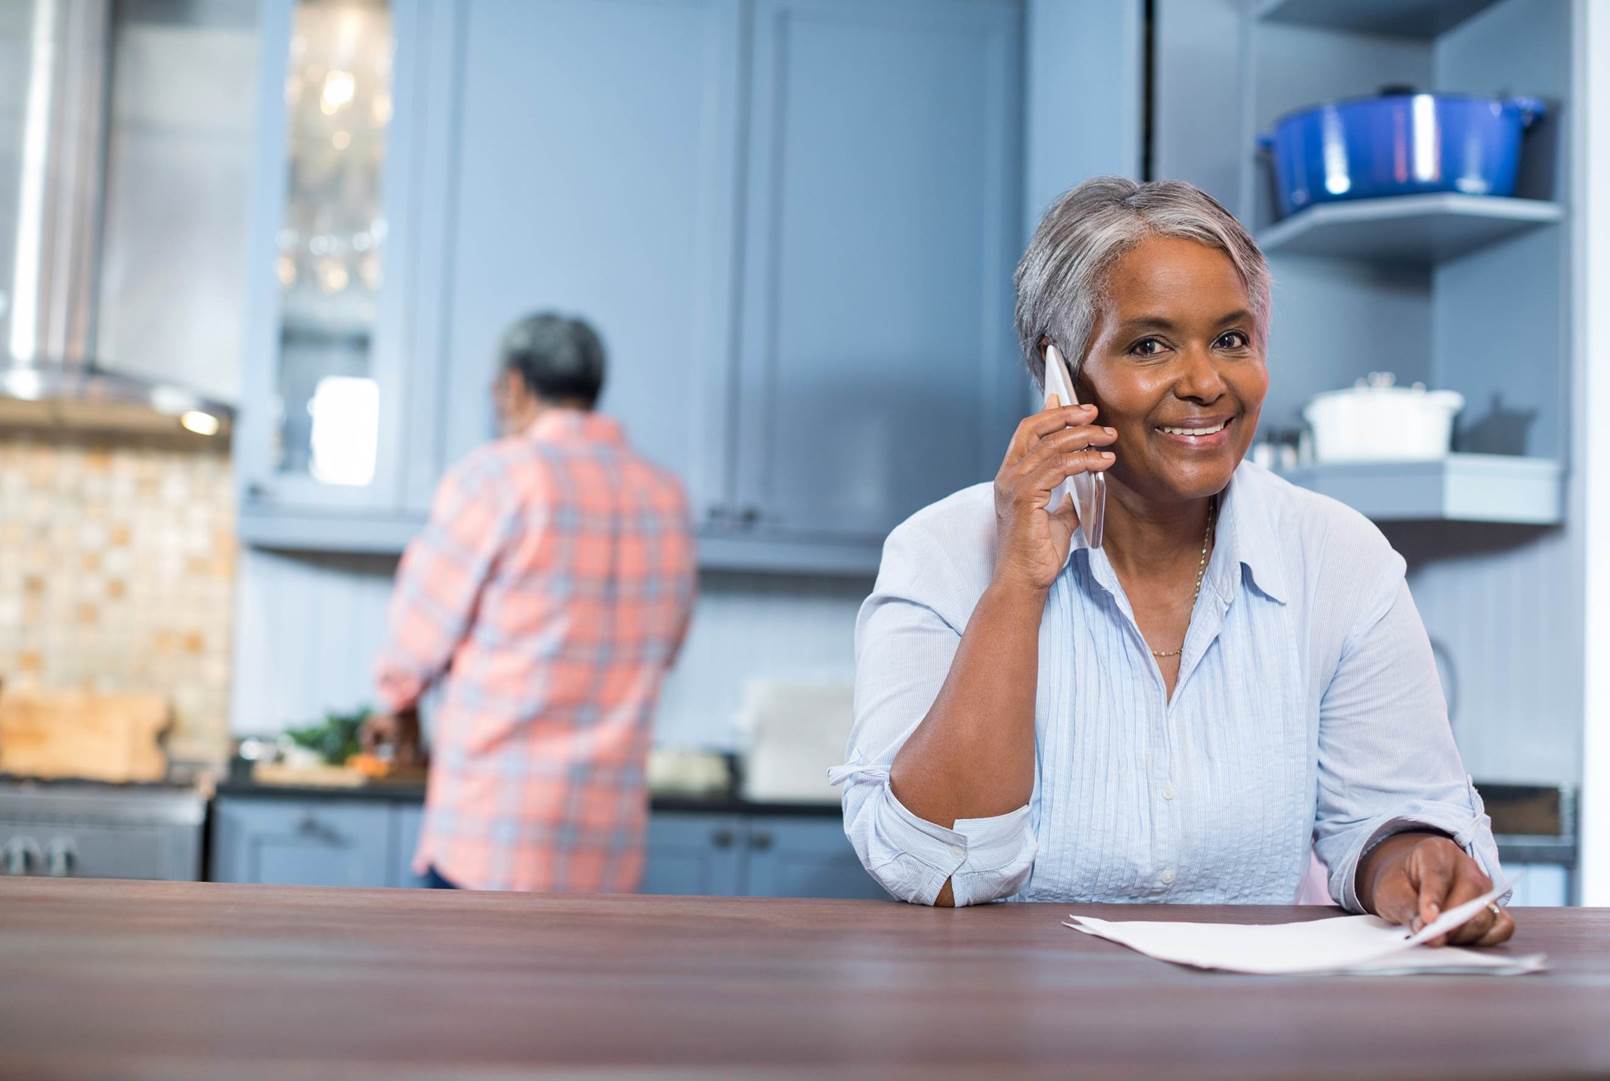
(1168, 790)
(1168, 877)
(958, 851)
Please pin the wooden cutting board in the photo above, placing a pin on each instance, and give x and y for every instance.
(86, 734)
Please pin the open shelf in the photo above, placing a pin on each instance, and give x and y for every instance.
(1405, 228)
(1460, 487)
(1400, 18)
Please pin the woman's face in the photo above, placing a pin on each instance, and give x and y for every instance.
(1176, 365)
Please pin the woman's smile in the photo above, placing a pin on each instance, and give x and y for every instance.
(1198, 433)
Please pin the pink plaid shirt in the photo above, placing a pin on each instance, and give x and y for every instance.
(550, 590)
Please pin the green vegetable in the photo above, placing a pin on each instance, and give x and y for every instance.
(336, 739)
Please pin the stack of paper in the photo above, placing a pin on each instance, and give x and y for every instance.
(1364, 945)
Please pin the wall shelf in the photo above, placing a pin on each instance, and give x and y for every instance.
(1400, 18)
(1405, 228)
(1460, 487)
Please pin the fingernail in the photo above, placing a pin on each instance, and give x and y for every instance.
(1107, 454)
(1110, 431)
(1415, 925)
(1435, 911)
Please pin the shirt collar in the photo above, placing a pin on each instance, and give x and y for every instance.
(555, 425)
(1244, 538)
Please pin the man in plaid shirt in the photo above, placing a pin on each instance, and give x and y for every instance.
(549, 593)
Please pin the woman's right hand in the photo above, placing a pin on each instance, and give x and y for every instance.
(1031, 541)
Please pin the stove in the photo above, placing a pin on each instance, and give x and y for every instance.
(84, 829)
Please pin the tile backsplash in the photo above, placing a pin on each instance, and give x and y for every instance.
(117, 567)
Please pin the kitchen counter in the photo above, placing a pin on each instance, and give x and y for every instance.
(184, 980)
(413, 792)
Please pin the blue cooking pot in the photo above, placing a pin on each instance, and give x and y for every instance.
(1398, 143)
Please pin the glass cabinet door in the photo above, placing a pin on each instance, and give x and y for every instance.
(327, 375)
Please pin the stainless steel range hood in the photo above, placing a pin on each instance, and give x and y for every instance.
(57, 57)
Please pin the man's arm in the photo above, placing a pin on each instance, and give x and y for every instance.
(440, 579)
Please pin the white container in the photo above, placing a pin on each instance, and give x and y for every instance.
(1376, 421)
(797, 730)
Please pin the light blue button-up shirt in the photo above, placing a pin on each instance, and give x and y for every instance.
(1307, 716)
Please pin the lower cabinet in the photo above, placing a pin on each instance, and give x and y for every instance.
(694, 854)
(370, 842)
(302, 842)
(406, 819)
(805, 857)
(1539, 883)
(754, 856)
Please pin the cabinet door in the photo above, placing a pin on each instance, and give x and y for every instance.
(300, 843)
(1539, 883)
(405, 822)
(804, 857)
(693, 854)
(879, 369)
(594, 165)
(329, 273)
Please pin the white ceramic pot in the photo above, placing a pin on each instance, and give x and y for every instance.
(1374, 421)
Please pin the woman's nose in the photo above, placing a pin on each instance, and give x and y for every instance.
(1200, 380)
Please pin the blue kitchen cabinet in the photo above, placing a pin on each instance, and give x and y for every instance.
(793, 222)
(753, 856)
(327, 437)
(592, 170)
(404, 823)
(1540, 883)
(879, 370)
(694, 854)
(314, 842)
(804, 857)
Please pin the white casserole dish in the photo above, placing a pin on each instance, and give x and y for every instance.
(1374, 420)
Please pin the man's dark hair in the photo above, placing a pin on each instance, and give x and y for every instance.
(557, 357)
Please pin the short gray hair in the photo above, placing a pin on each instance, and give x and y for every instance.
(1062, 275)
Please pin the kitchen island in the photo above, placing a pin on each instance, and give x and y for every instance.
(111, 979)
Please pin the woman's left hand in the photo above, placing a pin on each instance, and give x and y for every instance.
(1412, 878)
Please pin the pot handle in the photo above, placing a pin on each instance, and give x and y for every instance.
(1531, 109)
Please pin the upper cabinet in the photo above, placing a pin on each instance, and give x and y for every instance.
(592, 168)
(793, 222)
(327, 361)
(876, 342)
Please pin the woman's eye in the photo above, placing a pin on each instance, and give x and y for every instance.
(1146, 347)
(1233, 339)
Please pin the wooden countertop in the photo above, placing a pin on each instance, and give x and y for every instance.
(187, 980)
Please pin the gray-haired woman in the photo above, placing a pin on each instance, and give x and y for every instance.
(1238, 676)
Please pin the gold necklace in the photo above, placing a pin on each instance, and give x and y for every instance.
(1201, 568)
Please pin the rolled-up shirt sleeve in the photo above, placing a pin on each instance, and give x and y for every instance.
(1387, 759)
(906, 636)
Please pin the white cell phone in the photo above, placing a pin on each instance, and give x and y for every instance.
(1089, 490)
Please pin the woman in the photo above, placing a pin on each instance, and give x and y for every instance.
(1237, 675)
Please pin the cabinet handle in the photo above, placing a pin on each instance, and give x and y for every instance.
(722, 838)
(718, 514)
(60, 858)
(312, 827)
(21, 856)
(750, 515)
(257, 491)
(760, 842)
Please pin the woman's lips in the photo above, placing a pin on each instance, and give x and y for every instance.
(1182, 434)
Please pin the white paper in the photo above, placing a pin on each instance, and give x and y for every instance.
(1360, 945)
